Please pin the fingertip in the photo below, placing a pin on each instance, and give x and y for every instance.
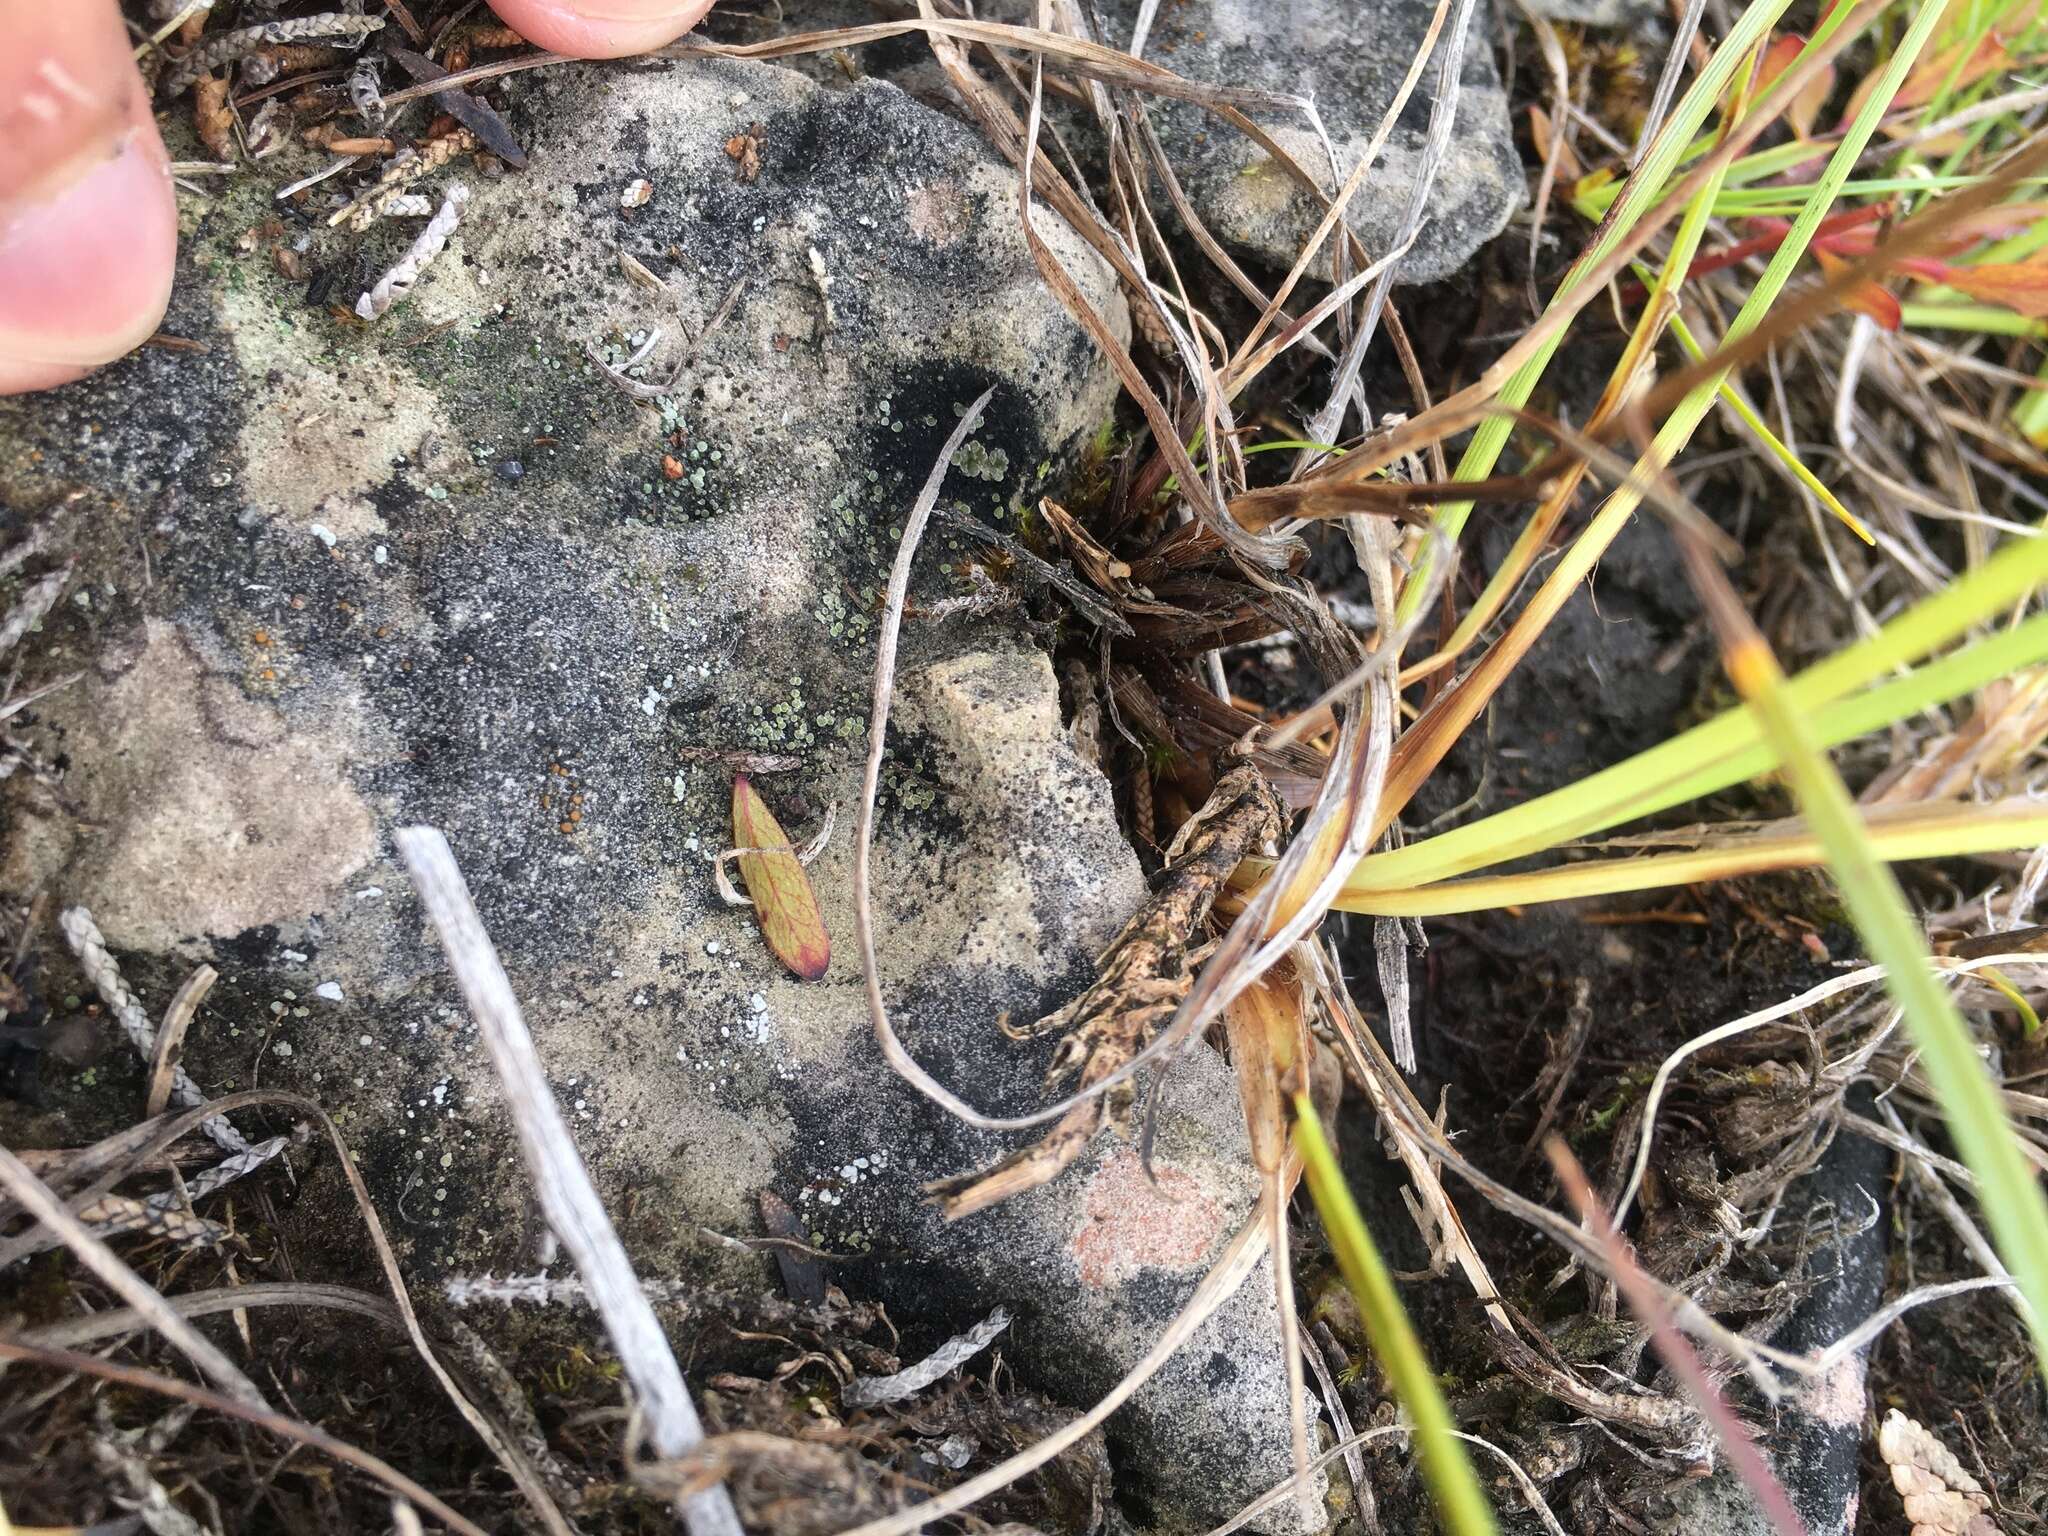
(85, 273)
(601, 29)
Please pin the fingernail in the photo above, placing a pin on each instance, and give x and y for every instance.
(85, 266)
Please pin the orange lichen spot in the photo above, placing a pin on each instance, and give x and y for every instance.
(568, 826)
(260, 637)
(671, 466)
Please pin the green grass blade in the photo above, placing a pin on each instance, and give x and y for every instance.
(1732, 398)
(1944, 831)
(1445, 1467)
(1984, 319)
(1638, 195)
(2008, 1192)
(1729, 749)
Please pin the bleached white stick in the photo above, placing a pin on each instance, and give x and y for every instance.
(567, 1197)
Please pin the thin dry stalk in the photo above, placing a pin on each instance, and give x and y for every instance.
(562, 1183)
(1230, 1270)
(1470, 405)
(1349, 1445)
(116, 1322)
(891, 628)
(113, 1159)
(1345, 388)
(1812, 997)
(1422, 1148)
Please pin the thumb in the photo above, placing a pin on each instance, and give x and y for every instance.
(88, 224)
(601, 29)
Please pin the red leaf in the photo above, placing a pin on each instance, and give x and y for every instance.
(784, 902)
(1866, 298)
(2018, 285)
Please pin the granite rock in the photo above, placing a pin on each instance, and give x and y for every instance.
(1350, 58)
(315, 601)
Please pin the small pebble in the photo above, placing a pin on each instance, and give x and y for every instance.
(330, 990)
(511, 471)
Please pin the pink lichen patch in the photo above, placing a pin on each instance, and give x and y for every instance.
(1837, 1397)
(937, 212)
(1129, 1223)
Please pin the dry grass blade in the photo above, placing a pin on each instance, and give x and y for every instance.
(37, 1199)
(1643, 1299)
(891, 629)
(263, 1417)
(1241, 370)
(787, 907)
(1139, 984)
(562, 1184)
(1269, 1044)
(1089, 59)
(1329, 421)
(170, 1038)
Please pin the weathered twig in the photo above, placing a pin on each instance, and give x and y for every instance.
(561, 1181)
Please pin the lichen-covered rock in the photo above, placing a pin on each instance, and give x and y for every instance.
(1350, 58)
(332, 580)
